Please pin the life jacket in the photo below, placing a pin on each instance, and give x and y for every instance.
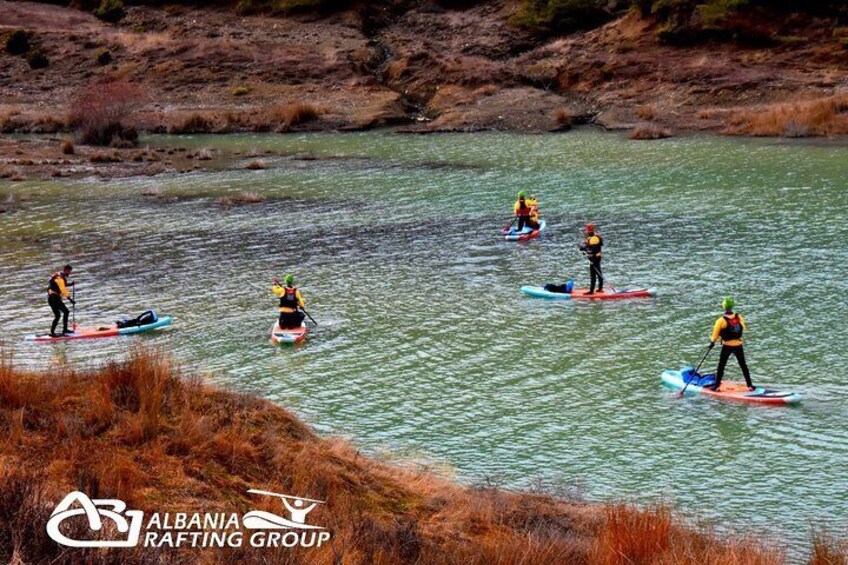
(733, 329)
(289, 299)
(523, 208)
(534, 208)
(594, 248)
(53, 286)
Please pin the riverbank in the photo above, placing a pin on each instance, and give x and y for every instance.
(143, 432)
(412, 65)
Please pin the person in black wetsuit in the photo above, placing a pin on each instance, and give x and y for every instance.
(592, 248)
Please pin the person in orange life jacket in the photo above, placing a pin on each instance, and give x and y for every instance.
(290, 302)
(57, 289)
(524, 212)
(730, 328)
(592, 248)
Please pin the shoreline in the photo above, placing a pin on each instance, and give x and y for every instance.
(43, 157)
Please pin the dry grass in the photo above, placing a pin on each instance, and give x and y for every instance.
(829, 549)
(194, 123)
(240, 198)
(646, 112)
(808, 118)
(139, 431)
(563, 118)
(650, 131)
(291, 115)
(68, 147)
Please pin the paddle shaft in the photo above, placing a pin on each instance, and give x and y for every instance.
(704, 358)
(74, 306)
(597, 272)
(308, 316)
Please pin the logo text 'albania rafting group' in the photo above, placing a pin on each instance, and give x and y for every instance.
(110, 524)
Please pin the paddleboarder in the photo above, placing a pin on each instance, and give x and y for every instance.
(57, 292)
(525, 213)
(592, 249)
(729, 328)
(290, 302)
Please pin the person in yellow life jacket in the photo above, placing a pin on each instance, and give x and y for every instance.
(592, 248)
(729, 328)
(524, 212)
(57, 290)
(290, 302)
(533, 204)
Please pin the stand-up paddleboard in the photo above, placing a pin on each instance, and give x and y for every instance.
(737, 392)
(288, 335)
(111, 330)
(511, 234)
(583, 293)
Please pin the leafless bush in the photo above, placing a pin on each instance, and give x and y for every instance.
(100, 111)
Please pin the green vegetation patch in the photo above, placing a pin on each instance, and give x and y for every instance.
(561, 16)
(17, 42)
(110, 11)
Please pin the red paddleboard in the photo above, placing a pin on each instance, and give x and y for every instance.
(583, 293)
(737, 392)
(288, 335)
(80, 333)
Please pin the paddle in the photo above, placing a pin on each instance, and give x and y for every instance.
(74, 307)
(511, 224)
(704, 358)
(308, 316)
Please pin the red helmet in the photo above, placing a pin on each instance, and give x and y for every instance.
(590, 227)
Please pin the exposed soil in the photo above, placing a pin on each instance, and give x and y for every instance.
(426, 69)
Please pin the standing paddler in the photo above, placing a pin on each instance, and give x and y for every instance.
(592, 249)
(729, 328)
(57, 292)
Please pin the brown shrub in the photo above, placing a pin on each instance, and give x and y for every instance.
(645, 112)
(255, 165)
(288, 116)
(100, 110)
(650, 131)
(68, 147)
(820, 117)
(105, 157)
(632, 536)
(828, 549)
(195, 123)
(563, 119)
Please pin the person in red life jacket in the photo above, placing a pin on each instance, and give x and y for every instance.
(592, 248)
(524, 212)
(290, 303)
(729, 328)
(57, 290)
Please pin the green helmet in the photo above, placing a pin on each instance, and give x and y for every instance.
(522, 194)
(289, 279)
(728, 303)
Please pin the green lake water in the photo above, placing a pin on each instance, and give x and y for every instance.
(426, 349)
